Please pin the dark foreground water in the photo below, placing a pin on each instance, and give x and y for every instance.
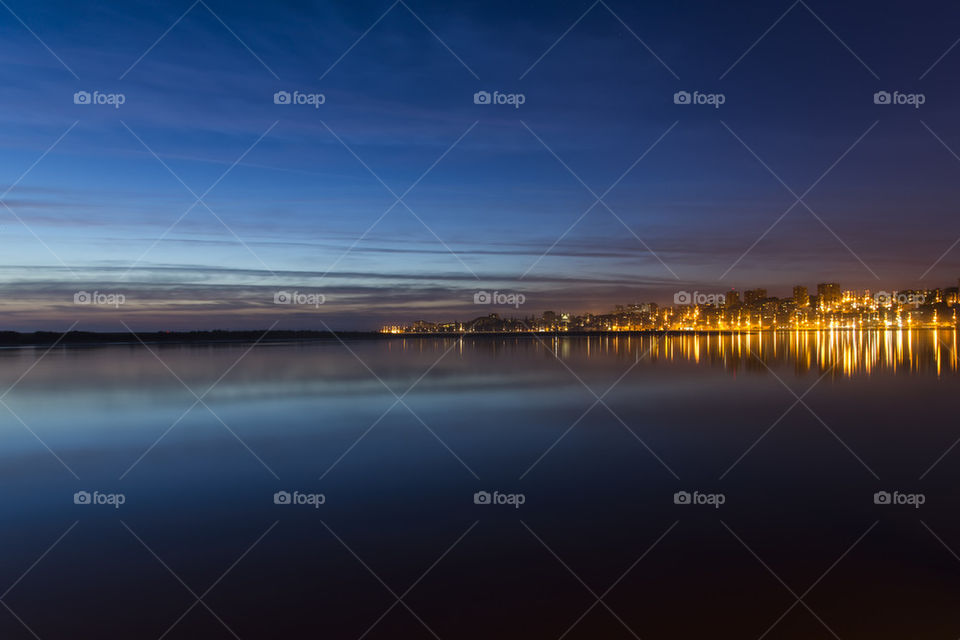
(778, 534)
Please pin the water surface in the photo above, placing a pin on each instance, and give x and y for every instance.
(597, 434)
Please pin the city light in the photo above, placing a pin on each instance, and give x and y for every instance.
(829, 308)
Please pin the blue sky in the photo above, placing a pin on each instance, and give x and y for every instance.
(299, 196)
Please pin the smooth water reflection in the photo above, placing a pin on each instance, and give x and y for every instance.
(515, 414)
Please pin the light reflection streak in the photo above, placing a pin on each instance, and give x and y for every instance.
(849, 352)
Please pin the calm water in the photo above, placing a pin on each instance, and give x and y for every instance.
(517, 416)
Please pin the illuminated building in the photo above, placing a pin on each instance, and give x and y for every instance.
(801, 297)
(829, 294)
(753, 296)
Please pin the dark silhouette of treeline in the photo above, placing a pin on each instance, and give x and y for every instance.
(41, 338)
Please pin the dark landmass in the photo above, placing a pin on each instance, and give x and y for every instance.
(46, 338)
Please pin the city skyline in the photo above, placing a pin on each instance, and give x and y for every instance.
(829, 307)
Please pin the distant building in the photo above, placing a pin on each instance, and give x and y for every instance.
(732, 298)
(768, 312)
(644, 307)
(753, 296)
(829, 293)
(801, 297)
(950, 296)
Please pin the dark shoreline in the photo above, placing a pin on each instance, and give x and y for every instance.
(93, 338)
(97, 338)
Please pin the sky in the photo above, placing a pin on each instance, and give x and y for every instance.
(199, 199)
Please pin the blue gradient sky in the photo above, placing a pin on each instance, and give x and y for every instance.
(89, 214)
